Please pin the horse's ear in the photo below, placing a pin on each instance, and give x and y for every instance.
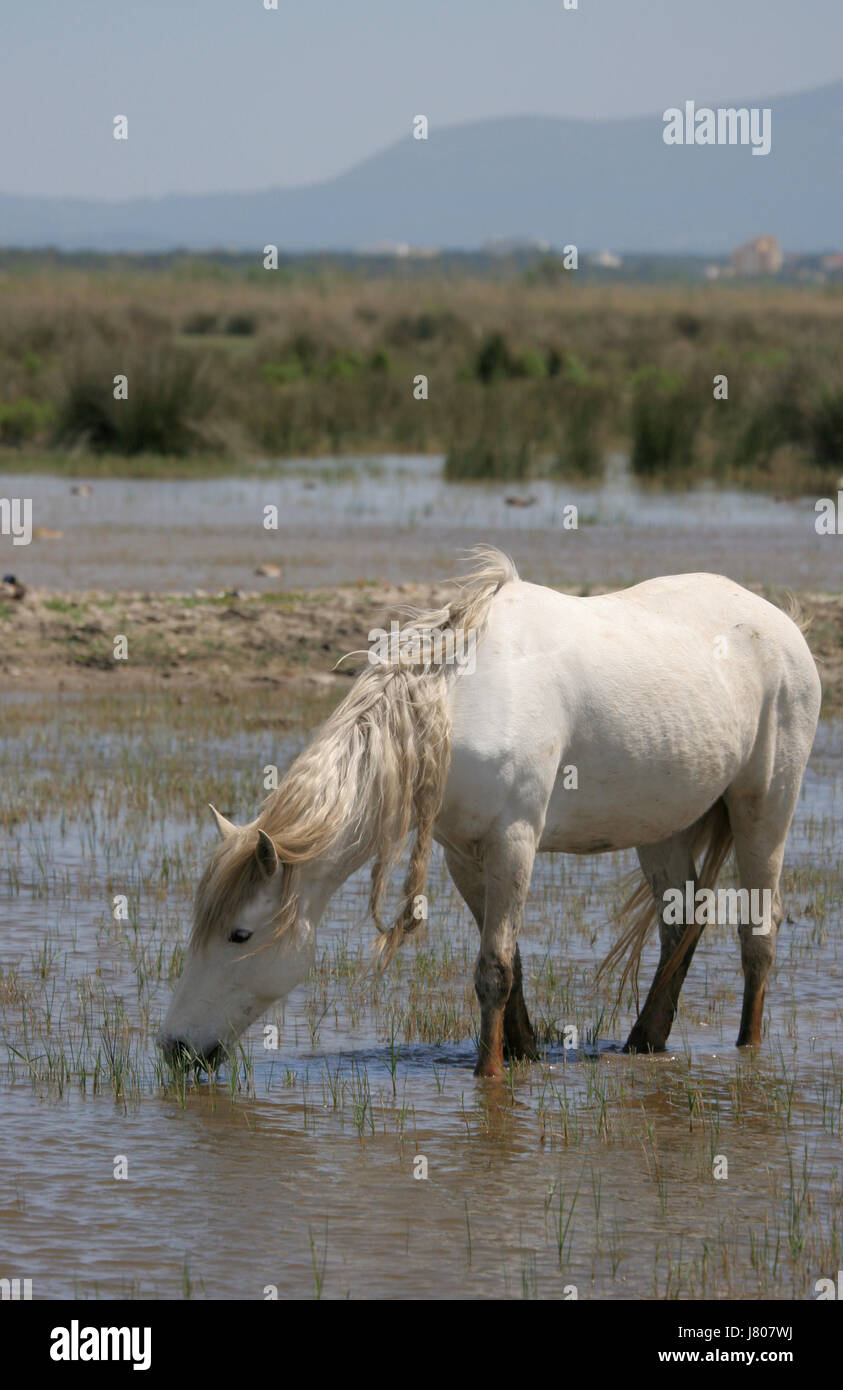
(225, 827)
(267, 855)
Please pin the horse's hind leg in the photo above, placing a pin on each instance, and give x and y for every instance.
(519, 1040)
(669, 864)
(760, 824)
(518, 1037)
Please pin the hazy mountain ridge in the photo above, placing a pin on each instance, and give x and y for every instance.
(590, 182)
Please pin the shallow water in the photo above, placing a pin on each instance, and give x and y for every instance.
(396, 518)
(590, 1169)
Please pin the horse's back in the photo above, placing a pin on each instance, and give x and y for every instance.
(704, 624)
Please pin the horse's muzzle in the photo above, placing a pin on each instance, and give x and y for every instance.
(181, 1053)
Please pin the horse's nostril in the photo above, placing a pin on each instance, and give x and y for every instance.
(179, 1052)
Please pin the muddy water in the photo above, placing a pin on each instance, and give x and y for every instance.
(590, 1170)
(396, 518)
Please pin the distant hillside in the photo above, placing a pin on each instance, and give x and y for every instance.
(594, 183)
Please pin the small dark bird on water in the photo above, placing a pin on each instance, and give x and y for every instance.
(11, 587)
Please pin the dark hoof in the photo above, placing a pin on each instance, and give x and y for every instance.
(489, 1071)
(641, 1044)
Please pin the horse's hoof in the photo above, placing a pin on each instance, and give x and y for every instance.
(488, 1071)
(643, 1045)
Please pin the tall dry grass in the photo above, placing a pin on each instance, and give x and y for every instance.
(523, 375)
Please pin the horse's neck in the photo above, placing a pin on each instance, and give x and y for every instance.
(321, 878)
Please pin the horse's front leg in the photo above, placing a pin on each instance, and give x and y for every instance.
(508, 860)
(519, 1040)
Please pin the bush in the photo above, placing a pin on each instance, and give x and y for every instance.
(825, 428)
(280, 373)
(304, 348)
(380, 361)
(409, 329)
(21, 421)
(789, 410)
(343, 364)
(494, 360)
(201, 323)
(241, 325)
(665, 420)
(758, 439)
(487, 459)
(167, 401)
(688, 325)
(581, 453)
(532, 364)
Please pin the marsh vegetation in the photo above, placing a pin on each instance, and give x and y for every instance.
(527, 374)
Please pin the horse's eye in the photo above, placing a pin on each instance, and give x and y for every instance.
(239, 935)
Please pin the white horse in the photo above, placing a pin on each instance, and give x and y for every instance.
(683, 710)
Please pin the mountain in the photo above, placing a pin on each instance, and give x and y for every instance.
(591, 183)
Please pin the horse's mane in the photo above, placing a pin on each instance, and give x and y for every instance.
(375, 770)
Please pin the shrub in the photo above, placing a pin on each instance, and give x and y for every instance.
(494, 360)
(665, 420)
(825, 428)
(581, 453)
(21, 421)
(532, 364)
(688, 325)
(380, 361)
(280, 373)
(343, 364)
(201, 323)
(167, 400)
(409, 329)
(487, 459)
(241, 325)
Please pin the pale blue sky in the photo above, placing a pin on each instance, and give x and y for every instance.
(224, 95)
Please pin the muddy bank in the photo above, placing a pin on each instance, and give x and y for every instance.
(53, 641)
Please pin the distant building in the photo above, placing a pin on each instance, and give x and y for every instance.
(513, 245)
(607, 260)
(761, 256)
(401, 250)
(833, 263)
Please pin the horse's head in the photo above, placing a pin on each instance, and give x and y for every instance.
(253, 941)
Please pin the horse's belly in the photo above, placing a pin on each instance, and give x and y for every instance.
(598, 830)
(592, 810)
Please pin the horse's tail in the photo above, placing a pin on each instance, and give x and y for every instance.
(420, 746)
(792, 608)
(712, 839)
(491, 570)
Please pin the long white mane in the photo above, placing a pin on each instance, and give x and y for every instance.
(375, 771)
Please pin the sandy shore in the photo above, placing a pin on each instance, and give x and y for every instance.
(60, 641)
